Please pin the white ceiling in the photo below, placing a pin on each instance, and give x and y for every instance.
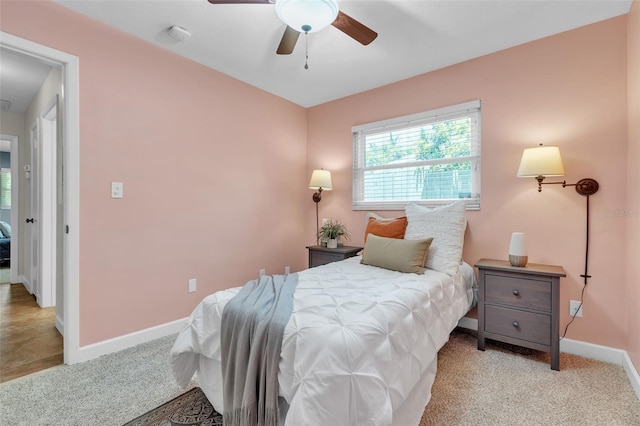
(21, 77)
(414, 37)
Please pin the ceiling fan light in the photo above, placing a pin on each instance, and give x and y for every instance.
(307, 15)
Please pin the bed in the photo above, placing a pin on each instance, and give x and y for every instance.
(361, 345)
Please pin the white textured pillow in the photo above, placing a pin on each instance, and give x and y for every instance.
(446, 225)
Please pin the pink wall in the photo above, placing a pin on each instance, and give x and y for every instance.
(633, 192)
(569, 90)
(213, 189)
(165, 125)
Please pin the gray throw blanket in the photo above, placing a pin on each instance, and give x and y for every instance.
(252, 329)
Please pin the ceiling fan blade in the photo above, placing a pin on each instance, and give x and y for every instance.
(354, 29)
(241, 1)
(288, 42)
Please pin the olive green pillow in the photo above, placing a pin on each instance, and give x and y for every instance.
(396, 254)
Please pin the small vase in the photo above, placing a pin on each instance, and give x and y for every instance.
(332, 243)
(517, 250)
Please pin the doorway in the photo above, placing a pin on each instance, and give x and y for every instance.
(65, 250)
(9, 149)
(30, 330)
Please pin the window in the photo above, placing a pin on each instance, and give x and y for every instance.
(431, 158)
(5, 188)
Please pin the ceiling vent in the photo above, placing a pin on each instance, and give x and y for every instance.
(5, 105)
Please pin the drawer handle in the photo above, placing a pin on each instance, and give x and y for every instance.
(516, 293)
(516, 324)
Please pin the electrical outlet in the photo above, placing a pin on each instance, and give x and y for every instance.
(575, 308)
(262, 272)
(286, 270)
(192, 285)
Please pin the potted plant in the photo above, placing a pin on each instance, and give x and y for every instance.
(331, 231)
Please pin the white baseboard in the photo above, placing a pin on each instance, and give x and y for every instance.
(468, 323)
(89, 352)
(605, 354)
(587, 350)
(59, 324)
(632, 373)
(592, 351)
(25, 282)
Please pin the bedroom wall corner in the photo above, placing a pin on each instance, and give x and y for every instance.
(633, 182)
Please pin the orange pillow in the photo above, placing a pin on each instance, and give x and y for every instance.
(388, 228)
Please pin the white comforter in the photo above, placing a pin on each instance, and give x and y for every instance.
(360, 347)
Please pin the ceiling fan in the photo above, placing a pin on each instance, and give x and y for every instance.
(307, 16)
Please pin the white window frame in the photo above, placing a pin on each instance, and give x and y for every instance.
(472, 109)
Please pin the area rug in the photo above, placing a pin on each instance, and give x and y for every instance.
(191, 408)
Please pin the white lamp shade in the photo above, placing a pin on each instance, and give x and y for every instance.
(307, 15)
(541, 161)
(517, 246)
(321, 179)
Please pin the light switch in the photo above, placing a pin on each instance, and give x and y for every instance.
(117, 190)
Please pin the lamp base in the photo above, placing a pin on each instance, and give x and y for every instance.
(519, 261)
(587, 186)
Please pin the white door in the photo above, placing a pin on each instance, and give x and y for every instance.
(47, 215)
(42, 220)
(32, 227)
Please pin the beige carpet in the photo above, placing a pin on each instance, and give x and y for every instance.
(508, 385)
(495, 387)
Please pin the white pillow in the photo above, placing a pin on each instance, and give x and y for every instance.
(376, 217)
(5, 229)
(446, 225)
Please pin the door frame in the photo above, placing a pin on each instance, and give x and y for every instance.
(70, 110)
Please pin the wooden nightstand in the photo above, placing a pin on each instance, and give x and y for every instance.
(520, 305)
(319, 255)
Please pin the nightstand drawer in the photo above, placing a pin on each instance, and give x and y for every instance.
(322, 255)
(522, 325)
(322, 258)
(518, 292)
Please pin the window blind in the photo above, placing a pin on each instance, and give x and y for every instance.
(431, 158)
(5, 188)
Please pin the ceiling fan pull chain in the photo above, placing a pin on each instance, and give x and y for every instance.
(306, 49)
